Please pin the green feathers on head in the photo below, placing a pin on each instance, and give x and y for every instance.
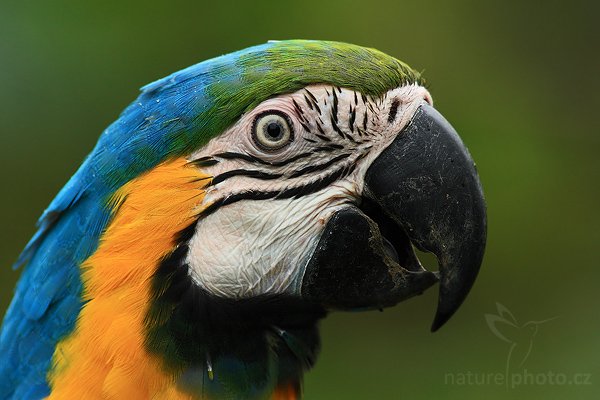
(216, 92)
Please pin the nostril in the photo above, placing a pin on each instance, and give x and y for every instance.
(428, 99)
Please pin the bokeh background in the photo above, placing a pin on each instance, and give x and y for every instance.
(519, 81)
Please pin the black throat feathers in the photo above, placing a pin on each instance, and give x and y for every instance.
(220, 346)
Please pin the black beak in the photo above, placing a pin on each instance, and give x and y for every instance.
(426, 182)
(422, 190)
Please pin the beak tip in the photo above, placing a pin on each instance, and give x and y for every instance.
(440, 320)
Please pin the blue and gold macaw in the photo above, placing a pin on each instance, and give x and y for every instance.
(224, 213)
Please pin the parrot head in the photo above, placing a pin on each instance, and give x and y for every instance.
(315, 197)
(289, 180)
(322, 194)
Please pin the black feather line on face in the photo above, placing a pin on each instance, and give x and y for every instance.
(334, 110)
(352, 118)
(308, 102)
(244, 172)
(322, 137)
(306, 128)
(313, 100)
(297, 107)
(257, 160)
(320, 128)
(261, 175)
(312, 96)
(292, 192)
(318, 167)
(336, 128)
(317, 185)
(299, 112)
(207, 161)
(393, 111)
(364, 98)
(229, 155)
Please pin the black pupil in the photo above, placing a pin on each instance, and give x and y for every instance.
(274, 130)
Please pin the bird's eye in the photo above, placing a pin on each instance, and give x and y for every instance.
(272, 130)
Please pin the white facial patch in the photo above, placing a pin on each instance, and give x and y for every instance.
(266, 209)
(255, 247)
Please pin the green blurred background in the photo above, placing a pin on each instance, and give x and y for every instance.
(518, 80)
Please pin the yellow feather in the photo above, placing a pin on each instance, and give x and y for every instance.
(105, 356)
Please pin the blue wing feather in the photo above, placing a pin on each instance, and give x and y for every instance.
(47, 299)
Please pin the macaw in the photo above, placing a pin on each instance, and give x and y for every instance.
(225, 212)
